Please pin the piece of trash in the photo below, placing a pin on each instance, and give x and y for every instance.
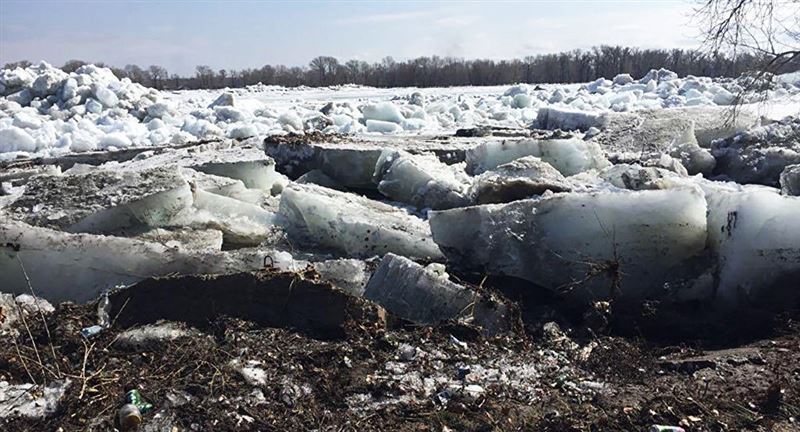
(135, 398)
(103, 322)
(90, 332)
(454, 340)
(129, 417)
(103, 306)
(660, 428)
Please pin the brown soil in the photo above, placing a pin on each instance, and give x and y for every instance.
(370, 378)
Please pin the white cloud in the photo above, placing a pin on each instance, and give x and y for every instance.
(382, 18)
(455, 21)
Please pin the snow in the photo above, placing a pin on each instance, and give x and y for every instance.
(96, 103)
(31, 400)
(115, 140)
(139, 338)
(14, 139)
(381, 126)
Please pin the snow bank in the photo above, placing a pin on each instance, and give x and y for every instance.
(46, 112)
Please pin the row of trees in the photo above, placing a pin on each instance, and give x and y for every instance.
(564, 67)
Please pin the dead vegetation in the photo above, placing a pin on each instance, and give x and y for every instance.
(383, 374)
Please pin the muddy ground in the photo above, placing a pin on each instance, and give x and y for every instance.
(396, 377)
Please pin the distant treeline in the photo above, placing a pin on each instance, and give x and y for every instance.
(564, 67)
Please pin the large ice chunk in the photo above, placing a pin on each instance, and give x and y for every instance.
(242, 223)
(79, 267)
(518, 179)
(353, 225)
(352, 163)
(694, 158)
(790, 180)
(755, 234)
(426, 296)
(225, 99)
(637, 177)
(186, 239)
(384, 112)
(568, 119)
(659, 129)
(590, 245)
(382, 126)
(318, 177)
(421, 180)
(760, 154)
(568, 156)
(250, 165)
(352, 166)
(105, 96)
(102, 201)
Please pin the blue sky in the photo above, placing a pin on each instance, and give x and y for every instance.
(239, 34)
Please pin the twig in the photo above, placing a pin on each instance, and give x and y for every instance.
(41, 314)
(30, 336)
(22, 360)
(87, 350)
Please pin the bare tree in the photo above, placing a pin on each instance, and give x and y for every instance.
(325, 68)
(135, 73)
(767, 28)
(221, 76)
(157, 76)
(72, 65)
(204, 75)
(17, 64)
(573, 66)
